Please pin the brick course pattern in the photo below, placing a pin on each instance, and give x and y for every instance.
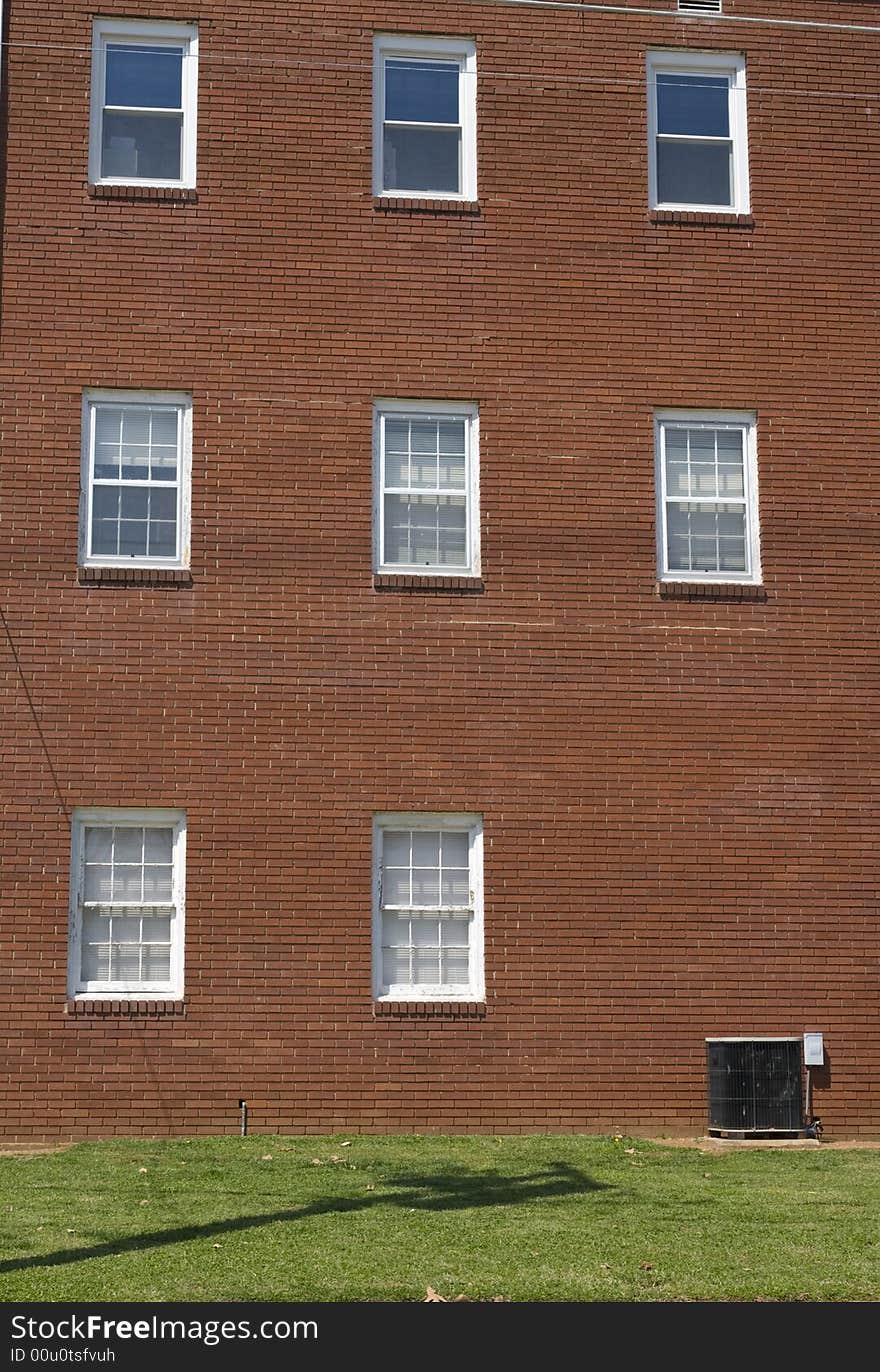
(678, 789)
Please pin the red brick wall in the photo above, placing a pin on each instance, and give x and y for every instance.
(678, 795)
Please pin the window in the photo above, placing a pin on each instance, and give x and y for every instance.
(698, 150)
(426, 488)
(707, 485)
(425, 117)
(136, 475)
(143, 126)
(428, 915)
(126, 911)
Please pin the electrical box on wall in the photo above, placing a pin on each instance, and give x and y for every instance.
(814, 1050)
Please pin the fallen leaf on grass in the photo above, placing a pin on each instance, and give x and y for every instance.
(646, 1266)
(347, 1144)
(145, 1202)
(142, 1169)
(215, 1245)
(267, 1157)
(371, 1187)
(317, 1162)
(629, 1150)
(433, 1296)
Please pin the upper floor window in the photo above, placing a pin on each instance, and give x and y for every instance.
(707, 496)
(698, 146)
(143, 123)
(135, 479)
(426, 518)
(428, 907)
(126, 903)
(424, 117)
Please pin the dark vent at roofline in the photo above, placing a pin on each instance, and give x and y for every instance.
(755, 1086)
(699, 6)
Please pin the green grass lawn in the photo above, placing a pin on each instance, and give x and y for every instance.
(382, 1219)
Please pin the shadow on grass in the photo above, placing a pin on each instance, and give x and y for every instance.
(453, 1190)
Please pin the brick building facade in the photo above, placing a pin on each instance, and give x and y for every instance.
(440, 487)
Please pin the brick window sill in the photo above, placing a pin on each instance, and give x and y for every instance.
(707, 590)
(124, 1009)
(134, 576)
(429, 1009)
(428, 585)
(174, 195)
(694, 218)
(397, 204)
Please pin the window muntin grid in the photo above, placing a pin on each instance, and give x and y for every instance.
(135, 483)
(707, 500)
(128, 908)
(427, 913)
(698, 131)
(426, 481)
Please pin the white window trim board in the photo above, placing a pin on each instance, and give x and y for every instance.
(739, 419)
(429, 408)
(101, 815)
(154, 33)
(181, 400)
(696, 63)
(457, 822)
(462, 50)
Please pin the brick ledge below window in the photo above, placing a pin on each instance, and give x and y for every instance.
(397, 203)
(175, 195)
(429, 1009)
(720, 219)
(134, 576)
(709, 590)
(127, 1009)
(461, 585)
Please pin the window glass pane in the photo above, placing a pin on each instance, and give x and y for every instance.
(128, 845)
(420, 91)
(95, 962)
(126, 929)
(451, 436)
(163, 504)
(105, 503)
(98, 844)
(164, 428)
(156, 964)
(456, 931)
(678, 480)
(163, 463)
(423, 470)
(105, 537)
(422, 160)
(157, 884)
(134, 502)
(454, 967)
(396, 469)
(411, 529)
(424, 436)
(426, 848)
(162, 540)
(148, 77)
(132, 538)
(141, 145)
(395, 847)
(455, 849)
(125, 962)
(98, 884)
(425, 931)
(158, 844)
(455, 888)
(694, 173)
(95, 928)
(425, 886)
(696, 105)
(395, 967)
(426, 966)
(396, 886)
(452, 531)
(127, 882)
(452, 472)
(156, 928)
(730, 479)
(395, 931)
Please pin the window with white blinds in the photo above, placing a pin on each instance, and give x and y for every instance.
(127, 903)
(428, 911)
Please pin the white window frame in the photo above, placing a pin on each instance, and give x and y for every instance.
(180, 400)
(428, 409)
(153, 34)
(745, 421)
(82, 819)
(690, 63)
(412, 47)
(472, 825)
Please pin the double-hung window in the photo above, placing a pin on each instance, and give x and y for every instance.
(707, 496)
(697, 126)
(424, 117)
(428, 907)
(143, 122)
(136, 479)
(426, 481)
(126, 908)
